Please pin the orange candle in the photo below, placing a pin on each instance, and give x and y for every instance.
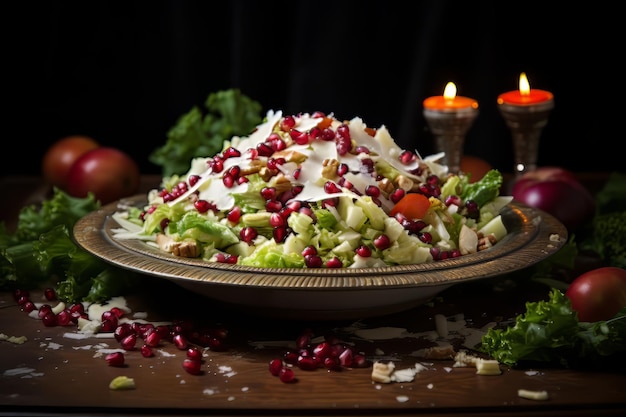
(449, 101)
(525, 95)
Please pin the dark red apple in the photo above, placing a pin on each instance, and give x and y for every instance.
(556, 191)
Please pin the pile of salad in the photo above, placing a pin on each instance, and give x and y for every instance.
(313, 191)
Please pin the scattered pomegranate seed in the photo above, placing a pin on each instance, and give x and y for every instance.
(287, 375)
(194, 353)
(146, 351)
(129, 342)
(115, 359)
(275, 366)
(180, 341)
(50, 294)
(192, 366)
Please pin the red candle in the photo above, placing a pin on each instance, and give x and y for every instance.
(525, 95)
(449, 101)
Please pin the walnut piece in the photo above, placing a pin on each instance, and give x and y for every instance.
(184, 249)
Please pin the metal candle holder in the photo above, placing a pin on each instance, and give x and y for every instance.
(526, 122)
(449, 128)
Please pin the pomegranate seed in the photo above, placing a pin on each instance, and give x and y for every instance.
(277, 220)
(331, 188)
(331, 363)
(146, 351)
(382, 242)
(193, 179)
(21, 300)
(248, 234)
(232, 152)
(180, 341)
(397, 195)
(64, 317)
(229, 181)
(269, 193)
(77, 308)
(43, 310)
(346, 357)
(194, 353)
(50, 294)
(287, 375)
(122, 331)
(152, 338)
(372, 191)
(28, 306)
(275, 366)
(322, 349)
(49, 319)
(264, 149)
(280, 234)
(273, 206)
(306, 363)
(425, 237)
(17, 294)
(234, 214)
(129, 342)
(217, 165)
(359, 361)
(309, 250)
(202, 206)
(363, 251)
(193, 367)
(115, 359)
(334, 262)
(406, 157)
(109, 325)
(291, 357)
(313, 261)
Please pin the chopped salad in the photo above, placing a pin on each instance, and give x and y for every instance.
(313, 191)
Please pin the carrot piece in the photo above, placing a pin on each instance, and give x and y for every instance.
(413, 205)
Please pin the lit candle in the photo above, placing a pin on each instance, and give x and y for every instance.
(450, 101)
(449, 118)
(525, 112)
(525, 95)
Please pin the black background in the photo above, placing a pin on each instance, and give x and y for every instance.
(123, 72)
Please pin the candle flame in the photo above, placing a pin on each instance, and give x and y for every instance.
(524, 85)
(450, 91)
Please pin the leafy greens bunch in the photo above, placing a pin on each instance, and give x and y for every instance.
(41, 252)
(549, 331)
(197, 134)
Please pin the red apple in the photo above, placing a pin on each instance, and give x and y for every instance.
(108, 173)
(556, 191)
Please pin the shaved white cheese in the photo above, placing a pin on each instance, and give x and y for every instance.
(468, 240)
(487, 367)
(532, 395)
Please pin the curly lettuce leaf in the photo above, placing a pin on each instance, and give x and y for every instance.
(197, 134)
(549, 332)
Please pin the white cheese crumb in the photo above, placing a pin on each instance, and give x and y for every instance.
(18, 371)
(487, 367)
(402, 398)
(386, 372)
(555, 237)
(532, 395)
(76, 336)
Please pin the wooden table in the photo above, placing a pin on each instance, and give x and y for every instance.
(53, 373)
